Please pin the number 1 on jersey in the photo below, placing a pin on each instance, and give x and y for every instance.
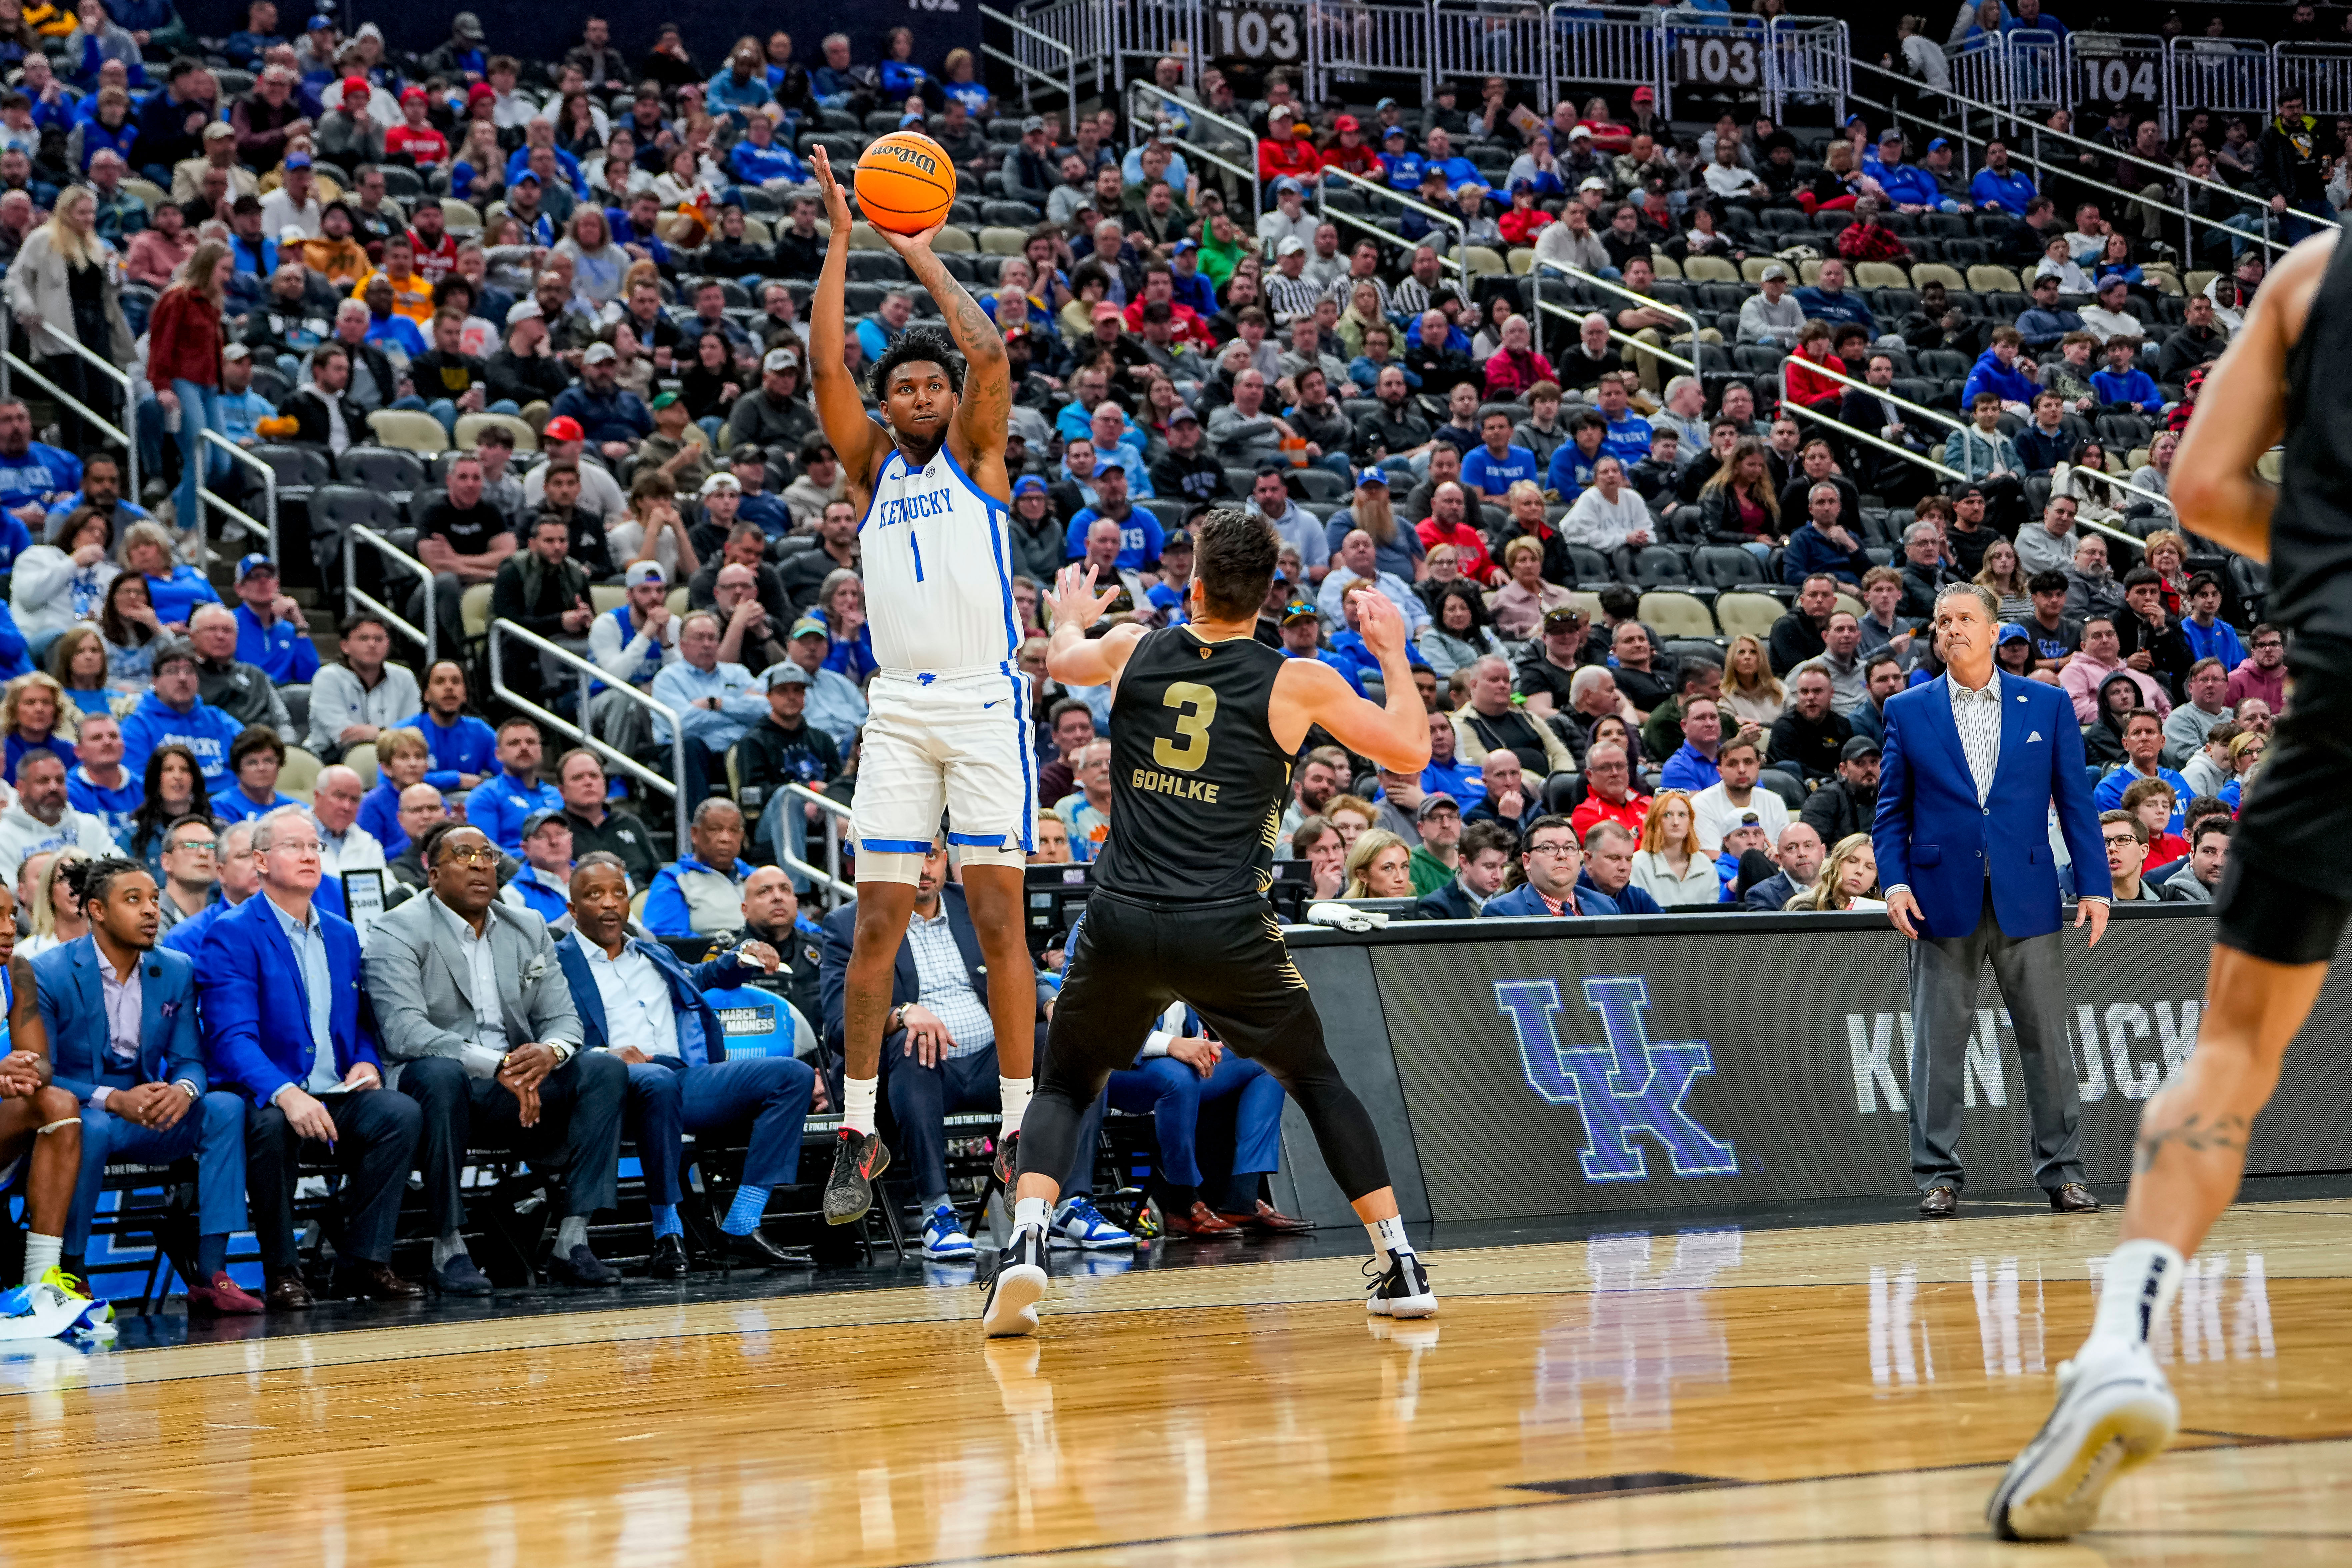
(1196, 709)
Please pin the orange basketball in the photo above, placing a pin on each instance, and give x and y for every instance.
(905, 183)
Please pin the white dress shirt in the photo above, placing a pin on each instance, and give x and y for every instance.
(638, 1010)
(489, 1018)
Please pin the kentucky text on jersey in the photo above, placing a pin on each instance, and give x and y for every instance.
(1174, 784)
(914, 508)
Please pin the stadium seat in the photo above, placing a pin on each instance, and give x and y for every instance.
(1320, 484)
(999, 239)
(299, 469)
(361, 760)
(392, 472)
(457, 214)
(1985, 278)
(298, 776)
(471, 425)
(1710, 270)
(474, 609)
(1521, 262)
(147, 191)
(1659, 566)
(1790, 791)
(1590, 565)
(1484, 261)
(1724, 566)
(1751, 270)
(1667, 267)
(1676, 614)
(1748, 615)
(408, 430)
(1881, 275)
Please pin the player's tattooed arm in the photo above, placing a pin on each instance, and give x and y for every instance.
(2197, 1134)
(987, 400)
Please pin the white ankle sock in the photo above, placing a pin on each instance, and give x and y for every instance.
(1015, 1093)
(1388, 1235)
(2140, 1281)
(1031, 1213)
(41, 1253)
(857, 1102)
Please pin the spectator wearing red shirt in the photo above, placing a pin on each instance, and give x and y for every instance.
(1804, 387)
(1867, 239)
(436, 250)
(1609, 793)
(1515, 366)
(1185, 325)
(1446, 524)
(1282, 152)
(1522, 224)
(415, 137)
(1348, 153)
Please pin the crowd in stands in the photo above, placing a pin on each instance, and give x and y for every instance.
(1655, 615)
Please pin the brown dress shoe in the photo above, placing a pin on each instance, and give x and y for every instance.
(1939, 1203)
(377, 1282)
(1268, 1221)
(287, 1293)
(2073, 1198)
(1200, 1221)
(222, 1297)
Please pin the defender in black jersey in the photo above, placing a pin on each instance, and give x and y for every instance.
(2282, 906)
(1204, 721)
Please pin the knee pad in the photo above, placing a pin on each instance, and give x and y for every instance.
(987, 855)
(890, 866)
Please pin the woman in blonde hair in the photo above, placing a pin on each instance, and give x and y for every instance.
(598, 266)
(1351, 816)
(1671, 866)
(65, 287)
(35, 717)
(1750, 689)
(1380, 865)
(1848, 881)
(2165, 554)
(52, 916)
(2006, 578)
(184, 349)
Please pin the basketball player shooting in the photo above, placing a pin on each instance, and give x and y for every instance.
(2282, 906)
(1205, 722)
(948, 732)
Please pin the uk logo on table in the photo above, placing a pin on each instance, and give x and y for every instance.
(1628, 1084)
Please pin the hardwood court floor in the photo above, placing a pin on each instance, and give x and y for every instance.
(1836, 1395)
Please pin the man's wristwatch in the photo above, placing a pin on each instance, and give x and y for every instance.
(897, 1020)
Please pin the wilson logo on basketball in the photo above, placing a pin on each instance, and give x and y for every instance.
(912, 156)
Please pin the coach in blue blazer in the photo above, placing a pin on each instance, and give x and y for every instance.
(285, 1022)
(145, 1098)
(637, 1002)
(1972, 766)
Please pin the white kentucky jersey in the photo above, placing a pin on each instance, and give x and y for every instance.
(939, 569)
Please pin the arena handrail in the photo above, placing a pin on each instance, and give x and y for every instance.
(1192, 110)
(357, 534)
(1025, 71)
(11, 363)
(499, 628)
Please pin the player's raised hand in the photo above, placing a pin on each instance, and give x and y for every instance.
(1073, 598)
(1378, 622)
(836, 202)
(909, 243)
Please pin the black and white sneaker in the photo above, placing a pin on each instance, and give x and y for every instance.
(857, 1160)
(1023, 1273)
(1399, 1291)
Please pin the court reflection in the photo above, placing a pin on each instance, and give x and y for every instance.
(1642, 1332)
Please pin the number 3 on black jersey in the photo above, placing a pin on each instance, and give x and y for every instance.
(1196, 709)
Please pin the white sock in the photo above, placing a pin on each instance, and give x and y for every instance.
(2140, 1281)
(570, 1232)
(1388, 1235)
(1032, 1214)
(857, 1102)
(1015, 1094)
(41, 1255)
(448, 1246)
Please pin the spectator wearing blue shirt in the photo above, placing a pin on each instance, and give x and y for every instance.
(1404, 165)
(2143, 744)
(2043, 323)
(2207, 635)
(2122, 383)
(1996, 371)
(99, 785)
(1694, 767)
(742, 89)
(759, 159)
(256, 758)
(1302, 638)
(1822, 546)
(1570, 474)
(173, 588)
(271, 635)
(887, 324)
(1141, 536)
(1824, 301)
(33, 477)
(173, 714)
(2001, 186)
(460, 749)
(1493, 468)
(2029, 19)
(519, 164)
(1625, 435)
(499, 806)
(700, 893)
(608, 414)
(260, 35)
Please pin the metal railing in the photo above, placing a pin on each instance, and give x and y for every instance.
(1602, 46)
(428, 635)
(837, 821)
(590, 678)
(1192, 145)
(1540, 307)
(1459, 261)
(1937, 417)
(11, 364)
(1025, 71)
(245, 522)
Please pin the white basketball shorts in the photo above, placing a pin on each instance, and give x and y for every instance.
(960, 743)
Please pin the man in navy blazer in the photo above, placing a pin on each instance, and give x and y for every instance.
(1552, 859)
(638, 1003)
(1973, 764)
(122, 1020)
(285, 1022)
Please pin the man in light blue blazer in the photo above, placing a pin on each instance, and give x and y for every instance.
(1972, 766)
(122, 1020)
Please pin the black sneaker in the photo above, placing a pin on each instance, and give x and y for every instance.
(1023, 1273)
(857, 1160)
(1401, 1289)
(1008, 1159)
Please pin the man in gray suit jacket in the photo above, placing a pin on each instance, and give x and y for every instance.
(473, 1011)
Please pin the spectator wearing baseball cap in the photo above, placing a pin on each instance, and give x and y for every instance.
(630, 643)
(271, 634)
(525, 368)
(784, 748)
(612, 416)
(835, 703)
(544, 886)
(563, 441)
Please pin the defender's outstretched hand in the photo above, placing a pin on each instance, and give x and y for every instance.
(1073, 598)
